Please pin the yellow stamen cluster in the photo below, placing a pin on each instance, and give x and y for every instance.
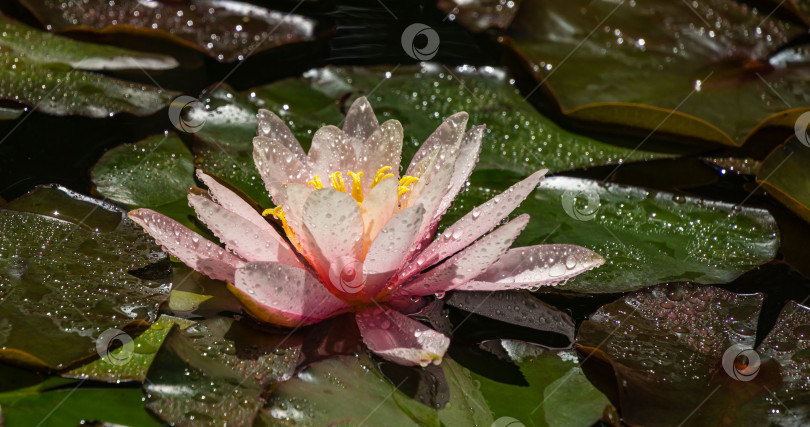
(339, 184)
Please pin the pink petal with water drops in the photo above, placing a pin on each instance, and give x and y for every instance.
(400, 339)
(447, 137)
(421, 171)
(277, 165)
(272, 127)
(284, 295)
(430, 199)
(534, 266)
(334, 233)
(360, 123)
(240, 235)
(188, 246)
(232, 202)
(378, 207)
(390, 249)
(475, 223)
(467, 264)
(465, 163)
(331, 151)
(382, 148)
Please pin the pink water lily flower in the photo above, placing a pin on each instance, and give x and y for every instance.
(350, 235)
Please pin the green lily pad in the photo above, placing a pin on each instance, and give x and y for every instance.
(153, 173)
(64, 281)
(784, 174)
(646, 237)
(225, 30)
(59, 402)
(668, 67)
(130, 361)
(186, 301)
(40, 46)
(216, 369)
(562, 396)
(318, 396)
(518, 137)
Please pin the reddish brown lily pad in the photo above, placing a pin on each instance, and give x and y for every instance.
(224, 29)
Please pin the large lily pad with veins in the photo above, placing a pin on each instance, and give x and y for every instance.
(784, 174)
(711, 70)
(671, 349)
(646, 237)
(224, 29)
(68, 272)
(518, 138)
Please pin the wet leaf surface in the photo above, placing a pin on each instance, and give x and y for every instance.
(216, 369)
(664, 345)
(480, 15)
(39, 46)
(518, 137)
(313, 397)
(131, 361)
(560, 393)
(64, 281)
(784, 174)
(225, 30)
(669, 67)
(646, 237)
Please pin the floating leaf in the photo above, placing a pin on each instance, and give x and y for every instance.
(216, 369)
(64, 280)
(518, 137)
(646, 237)
(53, 403)
(130, 362)
(668, 67)
(313, 397)
(209, 297)
(39, 46)
(561, 395)
(785, 175)
(186, 301)
(734, 164)
(225, 30)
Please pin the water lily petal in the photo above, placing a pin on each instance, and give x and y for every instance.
(475, 223)
(277, 165)
(465, 163)
(430, 199)
(382, 148)
(331, 151)
(234, 203)
(421, 171)
(272, 127)
(532, 266)
(447, 137)
(240, 235)
(334, 233)
(378, 207)
(360, 122)
(467, 264)
(284, 295)
(390, 249)
(188, 246)
(400, 339)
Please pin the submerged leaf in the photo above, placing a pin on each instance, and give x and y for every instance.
(66, 280)
(646, 237)
(667, 67)
(224, 29)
